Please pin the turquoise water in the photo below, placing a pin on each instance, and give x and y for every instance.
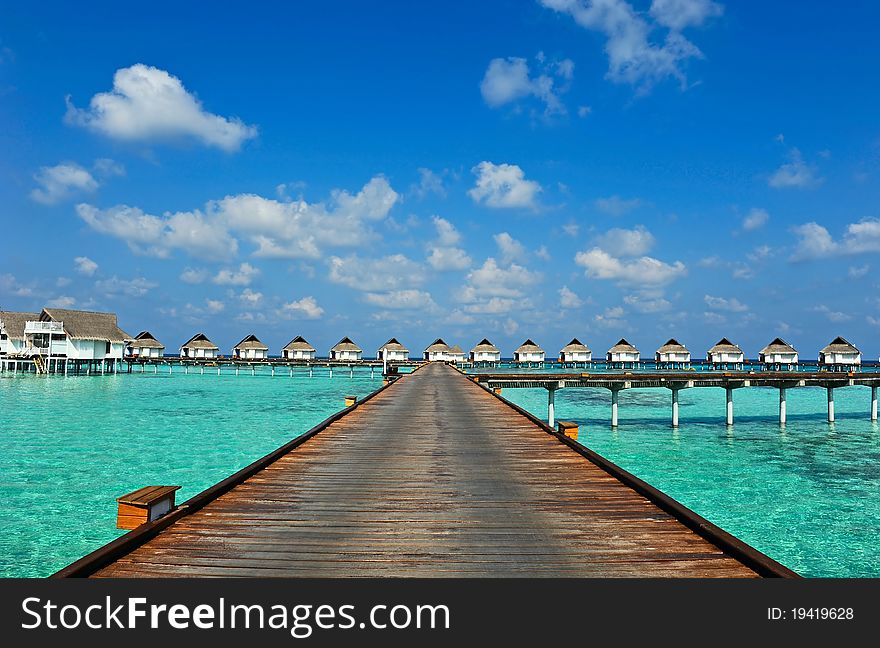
(70, 446)
(808, 494)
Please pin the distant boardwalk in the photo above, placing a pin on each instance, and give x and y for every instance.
(434, 476)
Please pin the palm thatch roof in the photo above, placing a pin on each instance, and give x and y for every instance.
(456, 350)
(199, 341)
(673, 346)
(394, 345)
(778, 345)
(345, 344)
(575, 346)
(484, 346)
(529, 347)
(623, 346)
(299, 344)
(840, 345)
(86, 325)
(145, 340)
(251, 342)
(725, 346)
(13, 322)
(437, 346)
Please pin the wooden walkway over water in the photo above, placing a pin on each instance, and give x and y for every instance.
(432, 476)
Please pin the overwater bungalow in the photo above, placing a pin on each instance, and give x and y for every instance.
(840, 354)
(778, 354)
(12, 325)
(345, 349)
(438, 350)
(298, 349)
(456, 354)
(623, 354)
(250, 348)
(76, 334)
(672, 355)
(725, 354)
(575, 351)
(528, 351)
(485, 351)
(145, 345)
(392, 350)
(199, 346)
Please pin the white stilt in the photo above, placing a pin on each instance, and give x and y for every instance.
(873, 402)
(615, 393)
(830, 404)
(674, 408)
(782, 405)
(730, 405)
(201, 371)
(551, 407)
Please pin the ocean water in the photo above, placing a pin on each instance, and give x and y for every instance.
(71, 446)
(806, 494)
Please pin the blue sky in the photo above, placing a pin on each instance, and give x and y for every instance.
(550, 169)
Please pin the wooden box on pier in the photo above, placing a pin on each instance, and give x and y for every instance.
(144, 505)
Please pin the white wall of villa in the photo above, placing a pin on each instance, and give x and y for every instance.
(252, 354)
(438, 356)
(726, 357)
(674, 356)
(147, 352)
(298, 354)
(392, 354)
(345, 355)
(576, 356)
(624, 356)
(529, 356)
(456, 357)
(189, 352)
(486, 356)
(781, 358)
(842, 359)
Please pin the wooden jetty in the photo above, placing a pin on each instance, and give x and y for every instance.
(432, 475)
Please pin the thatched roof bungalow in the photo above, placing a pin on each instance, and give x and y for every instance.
(250, 348)
(437, 350)
(485, 351)
(528, 351)
(345, 349)
(298, 349)
(456, 354)
(87, 335)
(778, 352)
(725, 352)
(392, 350)
(199, 346)
(12, 330)
(623, 353)
(575, 351)
(145, 345)
(672, 353)
(839, 353)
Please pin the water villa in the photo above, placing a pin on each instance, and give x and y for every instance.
(840, 354)
(392, 350)
(298, 349)
(12, 326)
(345, 349)
(145, 345)
(199, 346)
(528, 352)
(726, 355)
(623, 355)
(575, 352)
(456, 354)
(485, 352)
(250, 348)
(778, 354)
(672, 355)
(438, 350)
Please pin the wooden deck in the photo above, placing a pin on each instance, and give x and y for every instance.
(434, 476)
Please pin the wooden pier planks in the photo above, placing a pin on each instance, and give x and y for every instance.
(432, 477)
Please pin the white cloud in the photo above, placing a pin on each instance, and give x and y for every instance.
(409, 299)
(678, 14)
(833, 316)
(584, 111)
(510, 326)
(543, 253)
(277, 229)
(569, 299)
(503, 185)
(492, 280)
(511, 249)
(62, 182)
(446, 232)
(10, 285)
(136, 287)
(857, 272)
(305, 308)
(449, 258)
(571, 229)
(85, 266)
(760, 253)
(643, 271)
(375, 275)
(147, 104)
(429, 183)
(493, 306)
(193, 275)
(509, 80)
(215, 306)
(617, 206)
(611, 318)
(647, 304)
(251, 298)
(627, 243)
(723, 304)
(64, 301)
(795, 174)
(755, 219)
(633, 57)
(243, 276)
(106, 167)
(815, 242)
